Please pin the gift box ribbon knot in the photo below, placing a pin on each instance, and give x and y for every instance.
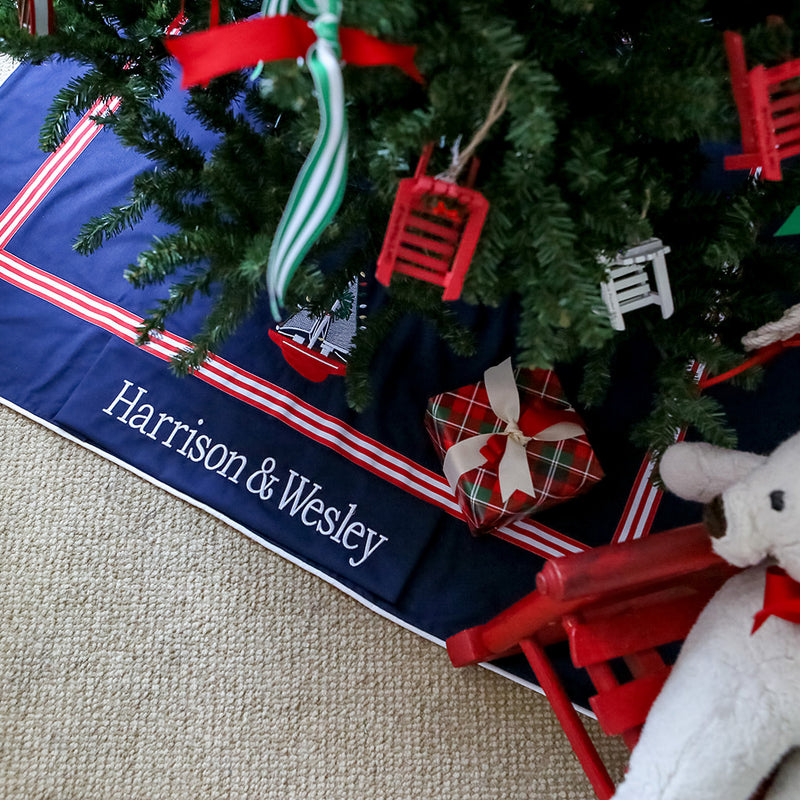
(507, 448)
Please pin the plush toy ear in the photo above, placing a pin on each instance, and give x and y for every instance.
(700, 471)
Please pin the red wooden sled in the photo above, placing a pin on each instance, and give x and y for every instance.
(433, 230)
(615, 606)
(768, 102)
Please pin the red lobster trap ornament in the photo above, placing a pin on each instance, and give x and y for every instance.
(433, 229)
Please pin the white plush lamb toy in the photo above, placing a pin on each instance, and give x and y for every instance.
(730, 711)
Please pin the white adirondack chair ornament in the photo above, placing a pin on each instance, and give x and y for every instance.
(627, 285)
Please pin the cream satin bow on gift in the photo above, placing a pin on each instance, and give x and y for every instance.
(513, 470)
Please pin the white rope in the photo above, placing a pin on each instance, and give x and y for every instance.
(779, 330)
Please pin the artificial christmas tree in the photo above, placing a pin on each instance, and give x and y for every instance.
(601, 145)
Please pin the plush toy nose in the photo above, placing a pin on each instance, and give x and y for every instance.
(714, 517)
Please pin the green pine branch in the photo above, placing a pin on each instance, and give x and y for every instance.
(599, 147)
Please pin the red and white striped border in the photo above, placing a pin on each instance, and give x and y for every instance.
(641, 507)
(269, 398)
(644, 499)
(273, 400)
(53, 169)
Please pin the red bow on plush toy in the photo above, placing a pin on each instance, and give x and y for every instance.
(781, 598)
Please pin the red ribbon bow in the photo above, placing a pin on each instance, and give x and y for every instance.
(226, 48)
(781, 598)
(537, 417)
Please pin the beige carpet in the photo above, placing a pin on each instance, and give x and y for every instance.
(149, 651)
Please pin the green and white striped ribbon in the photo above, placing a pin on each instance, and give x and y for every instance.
(319, 188)
(272, 8)
(269, 8)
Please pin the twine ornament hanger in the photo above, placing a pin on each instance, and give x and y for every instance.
(496, 110)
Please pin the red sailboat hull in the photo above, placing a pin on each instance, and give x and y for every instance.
(309, 363)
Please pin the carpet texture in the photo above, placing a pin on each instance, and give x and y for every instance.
(148, 650)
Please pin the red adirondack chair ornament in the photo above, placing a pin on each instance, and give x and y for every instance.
(433, 229)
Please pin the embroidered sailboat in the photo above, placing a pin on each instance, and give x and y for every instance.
(318, 346)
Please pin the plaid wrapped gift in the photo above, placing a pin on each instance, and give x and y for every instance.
(549, 445)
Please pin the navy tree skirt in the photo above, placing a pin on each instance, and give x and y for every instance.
(357, 498)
